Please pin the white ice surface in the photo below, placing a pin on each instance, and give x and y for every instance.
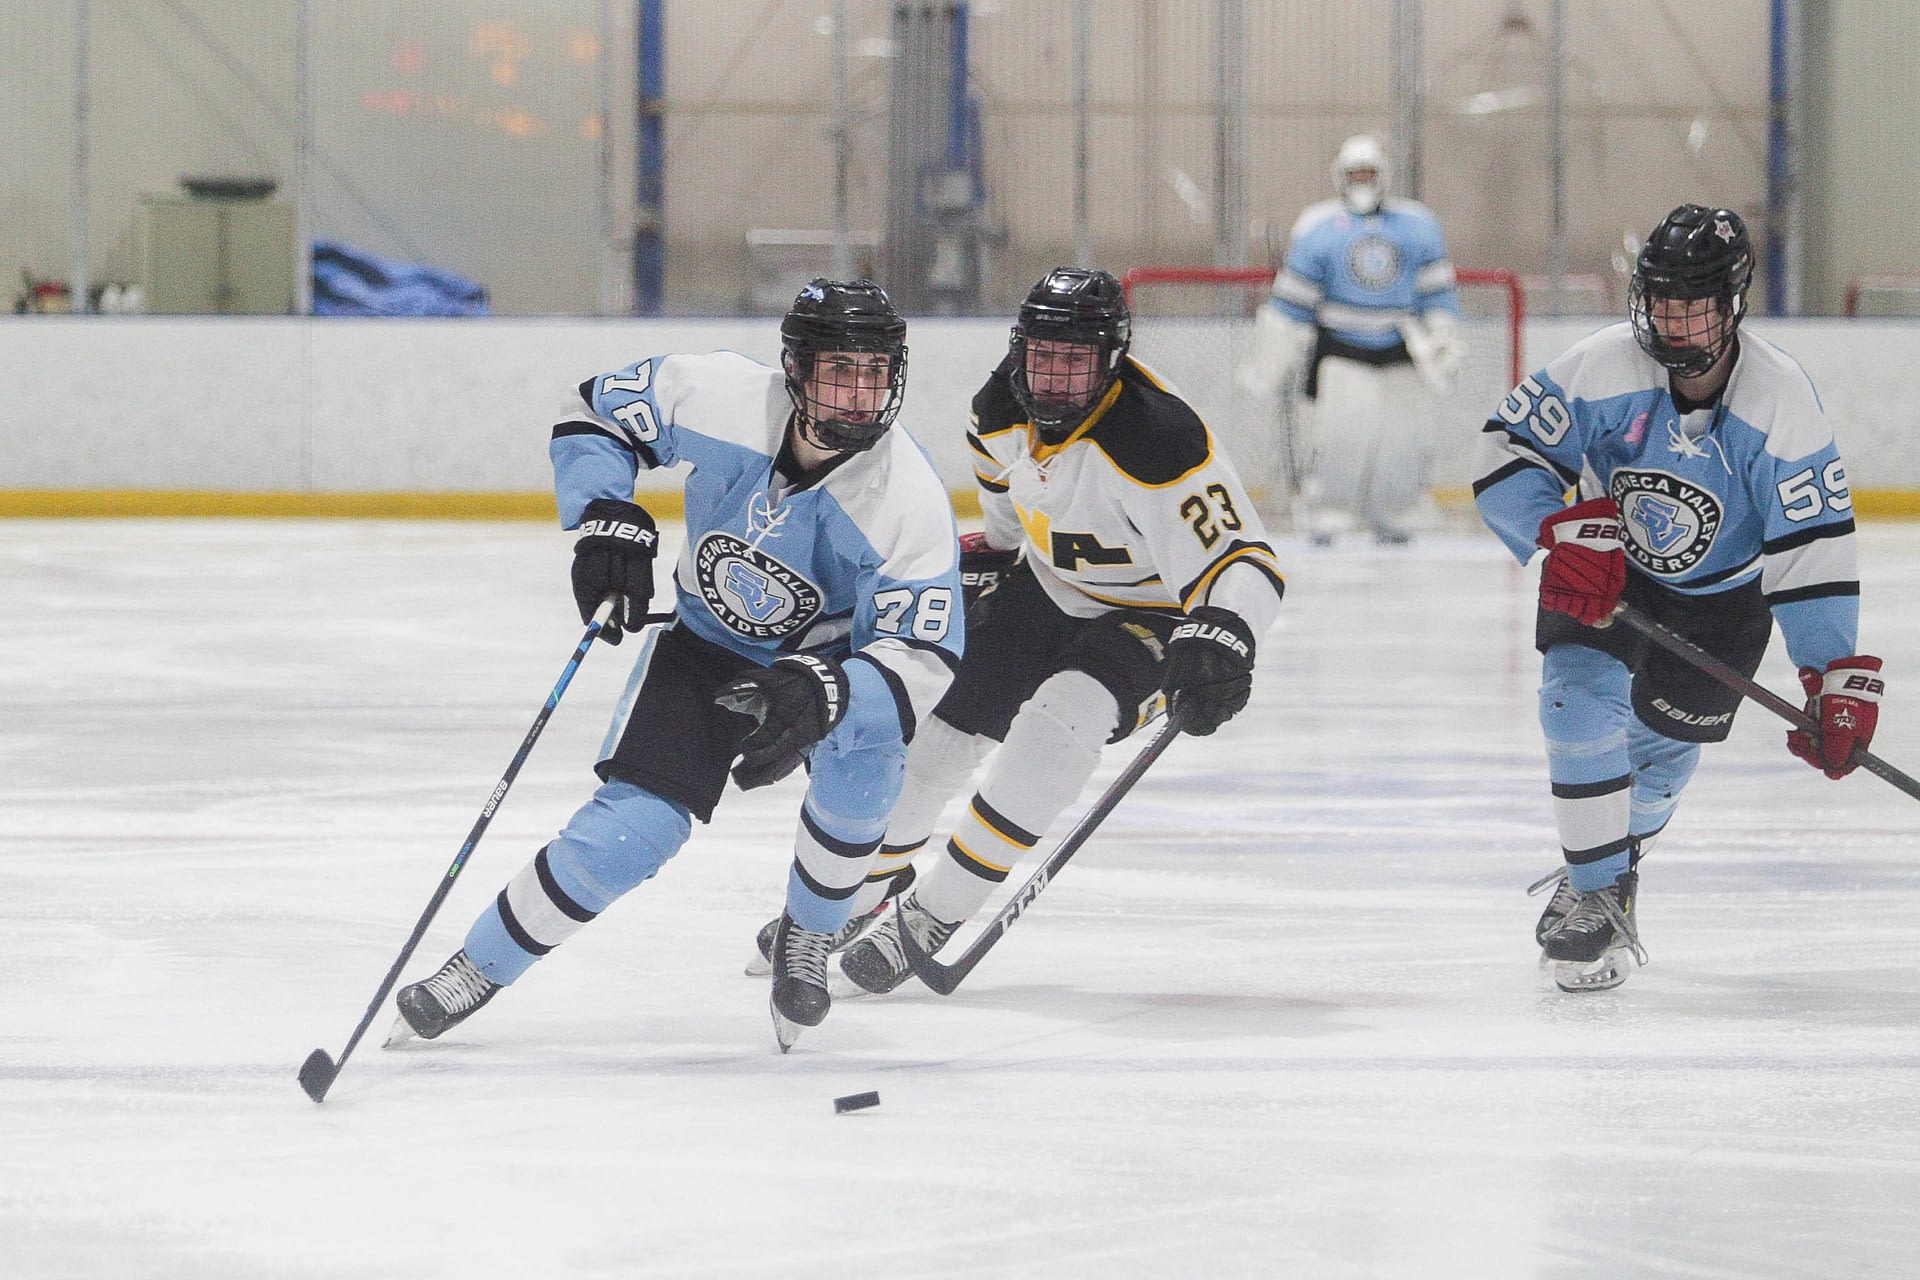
(1280, 1018)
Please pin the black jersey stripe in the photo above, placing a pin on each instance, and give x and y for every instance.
(1237, 551)
(902, 704)
(1802, 537)
(648, 458)
(1506, 472)
(575, 427)
(1711, 579)
(1818, 591)
(939, 651)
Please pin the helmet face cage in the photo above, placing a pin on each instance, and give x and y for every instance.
(845, 397)
(1363, 151)
(1696, 255)
(1085, 310)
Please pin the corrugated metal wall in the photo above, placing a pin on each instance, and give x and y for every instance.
(467, 133)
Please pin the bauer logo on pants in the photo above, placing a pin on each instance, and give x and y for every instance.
(1670, 522)
(751, 592)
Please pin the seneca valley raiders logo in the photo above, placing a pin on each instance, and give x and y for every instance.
(750, 591)
(1374, 262)
(1670, 522)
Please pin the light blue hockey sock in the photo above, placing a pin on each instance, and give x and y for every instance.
(851, 794)
(1662, 767)
(618, 840)
(1584, 713)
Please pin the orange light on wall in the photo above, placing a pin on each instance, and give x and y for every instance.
(505, 45)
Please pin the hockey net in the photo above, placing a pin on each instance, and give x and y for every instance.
(1194, 326)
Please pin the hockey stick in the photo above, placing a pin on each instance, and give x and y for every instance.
(319, 1071)
(945, 977)
(1688, 651)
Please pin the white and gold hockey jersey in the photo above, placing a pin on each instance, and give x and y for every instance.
(1137, 508)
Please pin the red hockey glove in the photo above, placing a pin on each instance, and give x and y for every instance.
(1845, 703)
(1586, 568)
(981, 566)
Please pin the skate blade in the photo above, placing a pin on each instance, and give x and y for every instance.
(786, 1031)
(1577, 977)
(841, 987)
(399, 1034)
(759, 966)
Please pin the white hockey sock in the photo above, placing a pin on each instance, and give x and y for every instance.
(939, 763)
(1050, 752)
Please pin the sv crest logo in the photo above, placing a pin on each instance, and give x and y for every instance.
(750, 591)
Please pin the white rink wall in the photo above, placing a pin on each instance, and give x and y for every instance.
(284, 405)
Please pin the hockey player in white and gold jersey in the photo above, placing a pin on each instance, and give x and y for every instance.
(1122, 568)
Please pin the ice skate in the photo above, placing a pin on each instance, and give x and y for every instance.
(877, 964)
(1390, 535)
(1564, 896)
(761, 962)
(1595, 945)
(800, 998)
(445, 1000)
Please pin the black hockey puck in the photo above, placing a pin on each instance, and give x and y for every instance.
(855, 1102)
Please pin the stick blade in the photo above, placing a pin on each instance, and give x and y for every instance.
(942, 978)
(317, 1075)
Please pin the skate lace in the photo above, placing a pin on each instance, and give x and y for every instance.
(459, 986)
(1563, 893)
(929, 931)
(1594, 911)
(806, 955)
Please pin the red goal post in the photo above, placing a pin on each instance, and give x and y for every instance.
(1194, 325)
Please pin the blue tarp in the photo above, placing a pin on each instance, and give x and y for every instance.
(348, 282)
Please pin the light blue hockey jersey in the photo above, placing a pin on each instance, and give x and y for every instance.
(1750, 485)
(1360, 275)
(860, 562)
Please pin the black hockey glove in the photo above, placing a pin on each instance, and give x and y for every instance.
(981, 567)
(794, 703)
(614, 557)
(1209, 673)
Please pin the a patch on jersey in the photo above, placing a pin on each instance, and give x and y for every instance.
(750, 591)
(1671, 523)
(1373, 261)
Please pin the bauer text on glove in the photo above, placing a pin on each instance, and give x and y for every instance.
(793, 703)
(1209, 672)
(1586, 566)
(1844, 702)
(614, 557)
(981, 566)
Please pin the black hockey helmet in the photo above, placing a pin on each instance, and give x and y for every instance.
(1070, 304)
(1695, 252)
(842, 316)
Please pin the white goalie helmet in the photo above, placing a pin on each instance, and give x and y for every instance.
(1357, 154)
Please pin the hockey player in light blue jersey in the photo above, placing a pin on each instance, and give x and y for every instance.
(817, 620)
(1362, 326)
(1710, 495)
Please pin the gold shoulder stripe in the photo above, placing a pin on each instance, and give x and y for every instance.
(1261, 556)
